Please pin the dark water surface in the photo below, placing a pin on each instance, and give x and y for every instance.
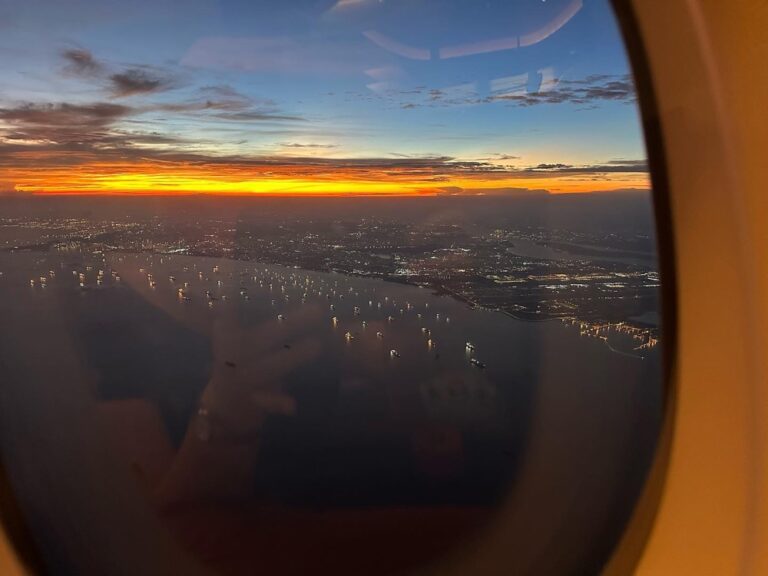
(541, 410)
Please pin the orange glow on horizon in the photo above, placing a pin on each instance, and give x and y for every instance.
(162, 178)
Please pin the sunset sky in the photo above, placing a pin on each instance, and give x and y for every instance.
(322, 97)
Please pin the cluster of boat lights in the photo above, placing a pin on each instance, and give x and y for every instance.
(282, 282)
(281, 285)
(308, 287)
(81, 277)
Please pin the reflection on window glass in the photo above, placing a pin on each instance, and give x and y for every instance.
(329, 286)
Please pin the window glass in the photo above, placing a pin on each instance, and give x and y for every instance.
(323, 285)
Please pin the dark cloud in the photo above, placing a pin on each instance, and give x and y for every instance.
(79, 62)
(258, 116)
(128, 82)
(135, 81)
(65, 132)
(629, 166)
(109, 145)
(610, 166)
(590, 80)
(213, 102)
(586, 91)
(621, 90)
(224, 97)
(552, 167)
(130, 138)
(227, 104)
(64, 115)
(64, 123)
(298, 145)
(221, 97)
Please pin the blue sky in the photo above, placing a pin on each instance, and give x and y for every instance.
(518, 84)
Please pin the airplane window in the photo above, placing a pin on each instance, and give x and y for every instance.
(323, 286)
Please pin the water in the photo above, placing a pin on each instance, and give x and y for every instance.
(551, 415)
(532, 249)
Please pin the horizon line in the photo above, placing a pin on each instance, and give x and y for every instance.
(533, 194)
